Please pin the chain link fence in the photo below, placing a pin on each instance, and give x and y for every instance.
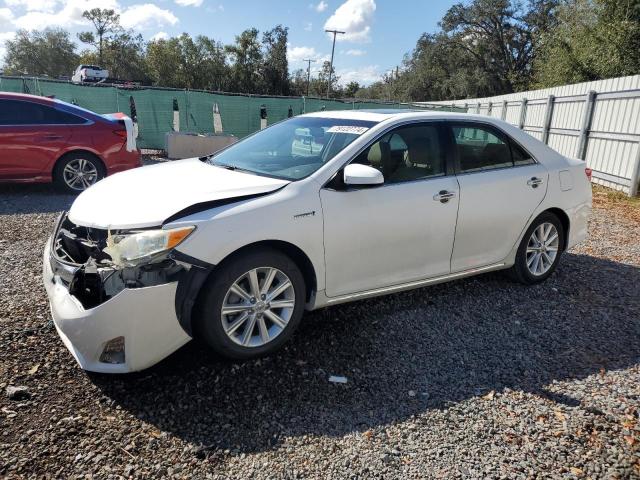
(153, 108)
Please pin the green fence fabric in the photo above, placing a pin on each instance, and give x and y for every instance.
(155, 106)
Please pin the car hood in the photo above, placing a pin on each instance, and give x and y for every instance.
(146, 196)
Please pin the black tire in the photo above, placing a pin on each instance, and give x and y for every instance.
(208, 321)
(93, 164)
(520, 271)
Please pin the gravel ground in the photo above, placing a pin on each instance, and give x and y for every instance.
(476, 378)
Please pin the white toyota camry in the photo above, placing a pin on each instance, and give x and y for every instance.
(316, 210)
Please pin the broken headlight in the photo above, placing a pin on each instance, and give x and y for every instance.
(133, 248)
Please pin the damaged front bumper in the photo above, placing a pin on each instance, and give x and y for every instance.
(114, 320)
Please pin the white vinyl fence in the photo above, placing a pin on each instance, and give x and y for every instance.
(595, 121)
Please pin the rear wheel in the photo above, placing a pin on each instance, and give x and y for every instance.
(77, 171)
(540, 249)
(252, 304)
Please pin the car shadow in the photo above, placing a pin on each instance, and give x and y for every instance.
(33, 198)
(402, 355)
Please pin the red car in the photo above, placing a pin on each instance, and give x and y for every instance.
(44, 140)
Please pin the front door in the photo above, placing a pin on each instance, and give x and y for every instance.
(398, 232)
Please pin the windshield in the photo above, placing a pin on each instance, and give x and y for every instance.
(292, 149)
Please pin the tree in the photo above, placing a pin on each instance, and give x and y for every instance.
(298, 82)
(105, 22)
(164, 60)
(276, 67)
(123, 56)
(183, 62)
(319, 85)
(351, 89)
(247, 60)
(484, 48)
(594, 39)
(50, 52)
(501, 36)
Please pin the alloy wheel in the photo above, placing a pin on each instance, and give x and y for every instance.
(258, 306)
(80, 174)
(542, 248)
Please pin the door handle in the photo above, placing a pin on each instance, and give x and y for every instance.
(533, 182)
(52, 137)
(443, 196)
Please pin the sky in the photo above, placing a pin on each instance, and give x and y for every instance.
(378, 32)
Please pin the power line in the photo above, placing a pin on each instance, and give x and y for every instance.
(335, 32)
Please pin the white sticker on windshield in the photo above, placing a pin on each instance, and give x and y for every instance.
(352, 129)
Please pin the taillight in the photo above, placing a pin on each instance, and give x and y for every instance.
(121, 133)
(588, 173)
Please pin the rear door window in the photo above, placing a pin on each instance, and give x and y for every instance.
(481, 147)
(17, 112)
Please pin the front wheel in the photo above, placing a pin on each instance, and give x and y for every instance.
(252, 304)
(540, 249)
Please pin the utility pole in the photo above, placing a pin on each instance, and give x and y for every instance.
(335, 32)
(308, 60)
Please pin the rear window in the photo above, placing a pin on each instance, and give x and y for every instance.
(19, 112)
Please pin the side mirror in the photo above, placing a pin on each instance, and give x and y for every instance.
(362, 175)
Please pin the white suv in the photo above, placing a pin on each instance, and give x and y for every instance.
(316, 210)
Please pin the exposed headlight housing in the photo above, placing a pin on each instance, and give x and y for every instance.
(131, 249)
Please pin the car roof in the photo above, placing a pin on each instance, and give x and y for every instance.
(379, 115)
(26, 97)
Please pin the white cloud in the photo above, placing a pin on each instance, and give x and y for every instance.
(138, 17)
(189, 3)
(69, 15)
(160, 36)
(33, 5)
(297, 54)
(356, 52)
(6, 18)
(145, 16)
(364, 76)
(321, 7)
(355, 18)
(308, 27)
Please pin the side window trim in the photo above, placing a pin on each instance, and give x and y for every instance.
(496, 131)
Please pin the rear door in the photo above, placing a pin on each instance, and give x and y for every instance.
(500, 187)
(32, 136)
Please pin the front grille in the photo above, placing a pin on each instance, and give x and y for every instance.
(76, 244)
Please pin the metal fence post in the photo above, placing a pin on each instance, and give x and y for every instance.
(523, 113)
(186, 108)
(176, 116)
(503, 114)
(587, 116)
(548, 115)
(489, 108)
(479, 106)
(635, 175)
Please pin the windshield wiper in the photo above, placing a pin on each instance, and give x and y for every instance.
(233, 168)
